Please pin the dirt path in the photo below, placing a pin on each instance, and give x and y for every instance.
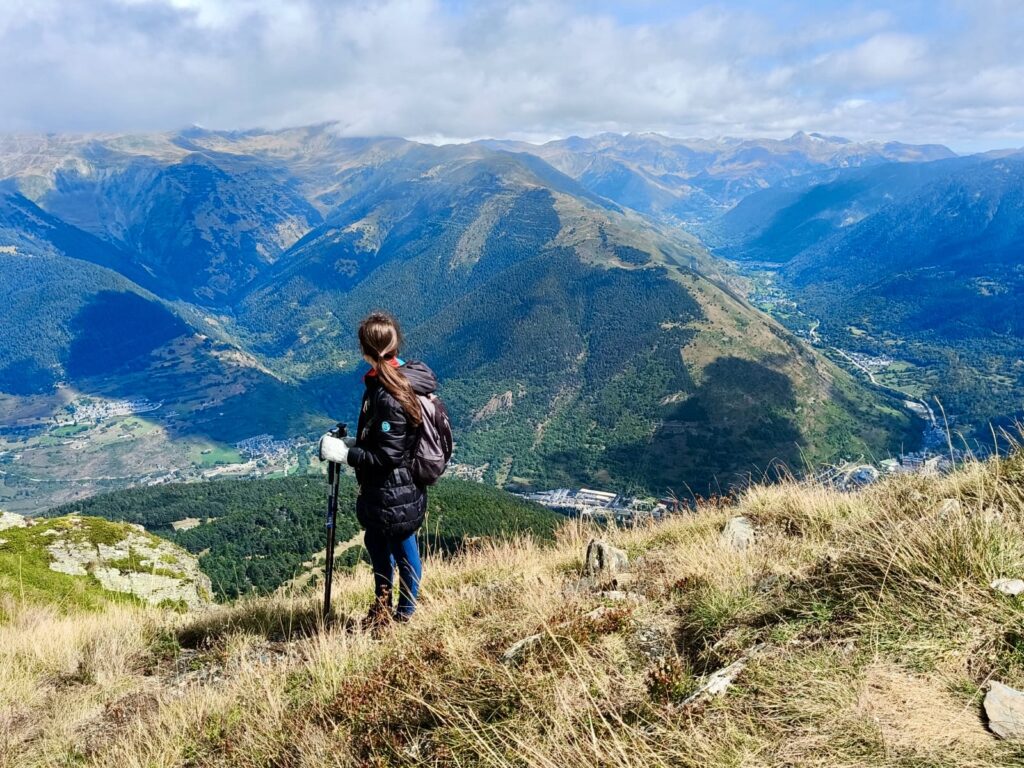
(315, 565)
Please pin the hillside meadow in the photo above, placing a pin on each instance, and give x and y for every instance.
(864, 624)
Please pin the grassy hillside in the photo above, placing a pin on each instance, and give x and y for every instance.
(257, 535)
(864, 623)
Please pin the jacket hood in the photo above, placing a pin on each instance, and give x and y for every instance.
(422, 379)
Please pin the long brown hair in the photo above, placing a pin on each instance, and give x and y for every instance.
(380, 339)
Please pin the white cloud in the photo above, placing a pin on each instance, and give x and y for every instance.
(530, 69)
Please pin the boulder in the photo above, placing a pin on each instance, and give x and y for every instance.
(1004, 708)
(605, 561)
(738, 533)
(1008, 586)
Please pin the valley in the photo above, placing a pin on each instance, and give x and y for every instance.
(584, 334)
(917, 265)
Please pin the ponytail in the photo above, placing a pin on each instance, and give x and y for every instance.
(380, 338)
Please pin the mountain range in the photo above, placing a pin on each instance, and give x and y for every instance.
(581, 335)
(692, 181)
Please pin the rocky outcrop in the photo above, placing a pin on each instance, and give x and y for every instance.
(121, 557)
(11, 520)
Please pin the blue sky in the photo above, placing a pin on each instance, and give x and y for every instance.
(946, 71)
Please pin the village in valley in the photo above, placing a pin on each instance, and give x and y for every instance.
(107, 443)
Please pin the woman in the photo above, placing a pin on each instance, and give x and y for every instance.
(390, 505)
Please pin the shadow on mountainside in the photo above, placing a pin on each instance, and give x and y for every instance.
(115, 331)
(738, 423)
(124, 346)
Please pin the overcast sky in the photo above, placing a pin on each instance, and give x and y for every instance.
(947, 71)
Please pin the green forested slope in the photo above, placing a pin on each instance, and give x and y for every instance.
(256, 534)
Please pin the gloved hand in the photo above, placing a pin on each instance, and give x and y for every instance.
(334, 449)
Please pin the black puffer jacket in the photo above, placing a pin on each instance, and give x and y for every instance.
(389, 500)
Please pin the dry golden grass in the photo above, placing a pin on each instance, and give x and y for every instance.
(877, 625)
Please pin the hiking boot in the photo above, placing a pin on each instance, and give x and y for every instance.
(379, 615)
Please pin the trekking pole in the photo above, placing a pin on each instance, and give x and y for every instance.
(333, 481)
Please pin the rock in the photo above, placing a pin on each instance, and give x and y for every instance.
(521, 649)
(654, 640)
(1004, 708)
(604, 560)
(948, 507)
(11, 520)
(1008, 586)
(739, 533)
(718, 682)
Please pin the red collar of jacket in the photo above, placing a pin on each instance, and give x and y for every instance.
(394, 362)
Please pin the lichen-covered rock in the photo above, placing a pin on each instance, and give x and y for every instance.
(604, 560)
(121, 558)
(738, 533)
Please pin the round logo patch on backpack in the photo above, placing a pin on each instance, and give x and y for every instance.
(385, 426)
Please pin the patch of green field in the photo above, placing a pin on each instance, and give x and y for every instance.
(207, 456)
(136, 426)
(906, 377)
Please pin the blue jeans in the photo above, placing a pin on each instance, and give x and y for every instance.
(385, 553)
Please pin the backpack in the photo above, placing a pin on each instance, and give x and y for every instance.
(434, 447)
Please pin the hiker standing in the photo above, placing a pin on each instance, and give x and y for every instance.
(391, 503)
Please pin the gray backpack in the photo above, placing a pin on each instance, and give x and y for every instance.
(434, 447)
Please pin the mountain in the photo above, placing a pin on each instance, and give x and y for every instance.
(70, 320)
(199, 225)
(693, 180)
(920, 262)
(578, 341)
